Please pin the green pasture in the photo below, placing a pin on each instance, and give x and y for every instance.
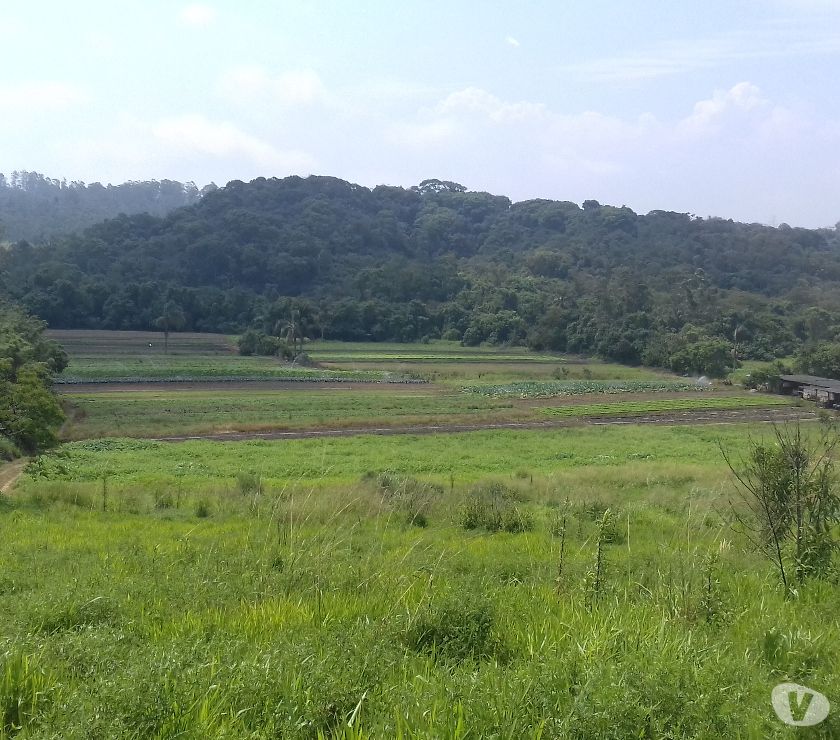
(653, 405)
(339, 461)
(295, 590)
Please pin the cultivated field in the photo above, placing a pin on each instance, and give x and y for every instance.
(586, 581)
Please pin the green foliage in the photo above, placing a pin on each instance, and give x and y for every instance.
(632, 408)
(790, 490)
(492, 507)
(35, 207)
(710, 356)
(822, 360)
(255, 342)
(29, 413)
(547, 389)
(319, 257)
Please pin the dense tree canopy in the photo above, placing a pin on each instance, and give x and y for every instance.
(438, 260)
(35, 207)
(29, 413)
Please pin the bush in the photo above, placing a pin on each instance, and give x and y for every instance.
(255, 342)
(248, 484)
(414, 498)
(492, 507)
(8, 451)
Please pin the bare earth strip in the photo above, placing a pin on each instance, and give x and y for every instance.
(238, 385)
(9, 474)
(682, 418)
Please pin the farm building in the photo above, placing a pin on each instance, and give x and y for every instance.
(824, 391)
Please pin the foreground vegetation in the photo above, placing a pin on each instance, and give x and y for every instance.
(589, 584)
(29, 413)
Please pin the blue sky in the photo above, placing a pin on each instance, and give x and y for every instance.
(715, 108)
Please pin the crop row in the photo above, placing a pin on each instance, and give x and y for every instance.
(654, 405)
(547, 389)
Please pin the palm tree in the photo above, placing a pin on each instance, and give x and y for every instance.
(172, 319)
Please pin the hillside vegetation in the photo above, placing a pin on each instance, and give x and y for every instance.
(664, 289)
(35, 207)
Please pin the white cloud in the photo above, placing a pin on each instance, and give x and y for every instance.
(708, 115)
(253, 83)
(197, 14)
(686, 55)
(476, 100)
(26, 96)
(421, 135)
(195, 133)
(511, 41)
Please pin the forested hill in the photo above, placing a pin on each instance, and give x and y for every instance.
(437, 260)
(35, 207)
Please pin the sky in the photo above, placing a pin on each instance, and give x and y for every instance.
(723, 108)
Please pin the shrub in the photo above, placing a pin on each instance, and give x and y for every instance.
(8, 451)
(412, 497)
(491, 506)
(248, 483)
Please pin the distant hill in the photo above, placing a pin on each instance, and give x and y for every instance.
(438, 260)
(35, 207)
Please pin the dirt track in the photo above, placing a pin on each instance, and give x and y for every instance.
(682, 418)
(237, 385)
(9, 473)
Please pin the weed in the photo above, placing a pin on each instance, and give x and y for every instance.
(457, 629)
(24, 693)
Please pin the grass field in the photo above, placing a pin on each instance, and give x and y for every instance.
(581, 582)
(295, 590)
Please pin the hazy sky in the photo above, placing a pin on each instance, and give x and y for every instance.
(721, 107)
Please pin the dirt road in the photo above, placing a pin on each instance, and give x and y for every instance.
(240, 385)
(9, 473)
(684, 418)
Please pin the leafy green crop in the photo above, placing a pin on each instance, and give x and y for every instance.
(619, 408)
(546, 389)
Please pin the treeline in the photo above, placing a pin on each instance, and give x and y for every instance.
(29, 412)
(36, 208)
(436, 260)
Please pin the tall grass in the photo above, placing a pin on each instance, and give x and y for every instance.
(305, 611)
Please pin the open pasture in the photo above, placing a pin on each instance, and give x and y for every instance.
(341, 461)
(581, 583)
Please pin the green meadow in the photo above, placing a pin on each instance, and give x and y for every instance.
(585, 583)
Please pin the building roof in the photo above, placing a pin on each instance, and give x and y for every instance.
(817, 382)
